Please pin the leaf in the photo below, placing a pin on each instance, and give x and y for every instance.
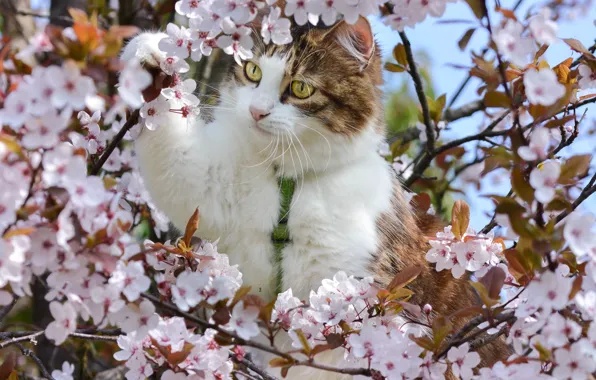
(441, 328)
(424, 342)
(11, 144)
(540, 52)
(394, 68)
(421, 201)
(303, 341)
(496, 99)
(576, 166)
(412, 309)
(477, 7)
(493, 281)
(14, 375)
(280, 362)
(124, 31)
(78, 15)
(470, 311)
(320, 348)
(222, 316)
(483, 294)
(335, 340)
(404, 277)
(240, 294)
(18, 232)
(460, 218)
(399, 53)
(463, 42)
(191, 227)
(576, 287)
(521, 186)
(507, 13)
(7, 367)
(576, 45)
(516, 263)
(556, 123)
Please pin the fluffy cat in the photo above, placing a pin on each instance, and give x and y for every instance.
(311, 111)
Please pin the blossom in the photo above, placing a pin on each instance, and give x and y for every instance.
(187, 292)
(188, 8)
(440, 253)
(174, 65)
(16, 109)
(66, 373)
(133, 80)
(182, 92)
(276, 29)
(560, 330)
(43, 131)
(131, 279)
(155, 112)
(176, 43)
(236, 40)
(64, 324)
(550, 291)
(284, 303)
(131, 349)
(543, 87)
(472, 254)
(573, 363)
(587, 77)
(512, 45)
(297, 8)
(244, 321)
(578, 232)
(544, 180)
(171, 332)
(403, 165)
(537, 149)
(544, 30)
(70, 87)
(462, 361)
(140, 318)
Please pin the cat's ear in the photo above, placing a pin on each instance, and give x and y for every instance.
(357, 39)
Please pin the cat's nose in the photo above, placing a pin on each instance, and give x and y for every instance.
(257, 112)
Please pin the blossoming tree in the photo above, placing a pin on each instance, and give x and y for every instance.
(74, 214)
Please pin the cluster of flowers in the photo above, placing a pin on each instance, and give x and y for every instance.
(471, 252)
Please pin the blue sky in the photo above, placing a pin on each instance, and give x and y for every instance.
(439, 41)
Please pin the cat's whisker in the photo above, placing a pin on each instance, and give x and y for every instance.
(326, 140)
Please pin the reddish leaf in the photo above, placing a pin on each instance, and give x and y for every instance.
(493, 281)
(576, 166)
(576, 45)
(411, 308)
(320, 348)
(404, 277)
(222, 316)
(335, 340)
(10, 360)
(477, 7)
(421, 201)
(460, 218)
(191, 227)
(556, 123)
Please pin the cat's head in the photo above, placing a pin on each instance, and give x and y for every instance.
(325, 81)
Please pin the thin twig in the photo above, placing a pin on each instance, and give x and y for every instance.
(248, 343)
(482, 341)
(413, 70)
(31, 354)
(452, 114)
(253, 367)
(25, 338)
(6, 309)
(94, 337)
(585, 194)
(131, 122)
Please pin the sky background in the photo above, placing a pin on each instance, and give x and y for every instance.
(439, 42)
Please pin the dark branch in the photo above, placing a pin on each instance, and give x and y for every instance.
(413, 70)
(31, 354)
(6, 309)
(131, 122)
(452, 114)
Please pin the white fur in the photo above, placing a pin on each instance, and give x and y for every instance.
(226, 168)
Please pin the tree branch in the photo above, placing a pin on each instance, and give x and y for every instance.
(585, 194)
(466, 110)
(130, 122)
(248, 343)
(31, 354)
(6, 309)
(413, 70)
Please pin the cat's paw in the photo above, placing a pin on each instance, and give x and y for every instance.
(144, 47)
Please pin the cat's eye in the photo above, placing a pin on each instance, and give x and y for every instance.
(253, 72)
(301, 90)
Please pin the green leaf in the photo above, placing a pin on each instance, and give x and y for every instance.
(521, 186)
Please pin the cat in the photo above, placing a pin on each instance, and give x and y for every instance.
(312, 111)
